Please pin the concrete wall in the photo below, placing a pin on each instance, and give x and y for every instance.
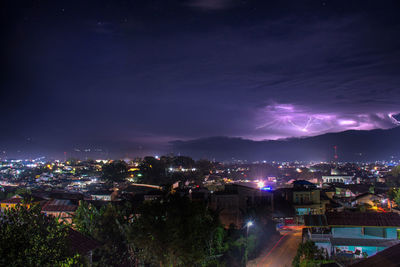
(347, 232)
(391, 233)
(368, 232)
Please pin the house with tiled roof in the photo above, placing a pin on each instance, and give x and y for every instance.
(60, 208)
(352, 234)
(105, 195)
(11, 202)
(18, 200)
(81, 244)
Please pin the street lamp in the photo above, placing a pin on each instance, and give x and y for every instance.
(248, 225)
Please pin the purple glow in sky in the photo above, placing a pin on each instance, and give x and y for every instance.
(287, 120)
(347, 122)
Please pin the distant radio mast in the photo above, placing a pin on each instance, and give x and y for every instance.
(335, 156)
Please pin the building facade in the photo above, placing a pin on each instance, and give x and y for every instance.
(354, 235)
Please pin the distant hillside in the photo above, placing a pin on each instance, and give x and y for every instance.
(352, 146)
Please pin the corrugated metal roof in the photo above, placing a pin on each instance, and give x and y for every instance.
(315, 220)
(363, 219)
(59, 205)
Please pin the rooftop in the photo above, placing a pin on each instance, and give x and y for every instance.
(81, 243)
(389, 257)
(17, 199)
(366, 194)
(353, 219)
(13, 200)
(363, 218)
(303, 182)
(100, 192)
(315, 220)
(61, 205)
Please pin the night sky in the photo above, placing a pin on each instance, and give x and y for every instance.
(129, 77)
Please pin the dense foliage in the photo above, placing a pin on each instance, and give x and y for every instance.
(30, 238)
(86, 218)
(115, 171)
(156, 171)
(176, 232)
(106, 225)
(396, 196)
(395, 172)
(308, 255)
(173, 231)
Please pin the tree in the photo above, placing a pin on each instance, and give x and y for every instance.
(307, 254)
(115, 171)
(154, 170)
(21, 191)
(86, 218)
(397, 196)
(107, 225)
(395, 172)
(109, 229)
(3, 195)
(176, 232)
(30, 238)
(204, 166)
(182, 161)
(236, 254)
(371, 189)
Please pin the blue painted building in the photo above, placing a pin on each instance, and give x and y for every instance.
(353, 235)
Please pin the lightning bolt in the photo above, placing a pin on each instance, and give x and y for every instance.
(303, 129)
(393, 119)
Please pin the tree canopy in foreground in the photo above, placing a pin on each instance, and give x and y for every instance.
(30, 238)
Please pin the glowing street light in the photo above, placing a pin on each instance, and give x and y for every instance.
(248, 225)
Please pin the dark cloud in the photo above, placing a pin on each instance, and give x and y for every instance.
(127, 74)
(212, 4)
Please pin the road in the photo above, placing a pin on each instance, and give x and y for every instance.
(282, 253)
